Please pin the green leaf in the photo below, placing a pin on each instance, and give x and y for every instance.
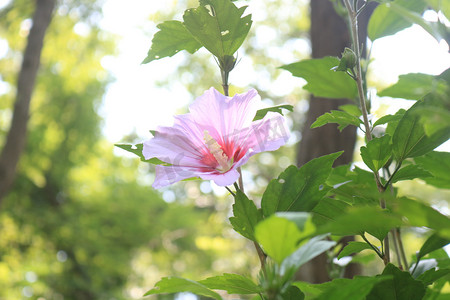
(438, 163)
(377, 152)
(434, 242)
(218, 26)
(305, 253)
(246, 215)
(232, 283)
(353, 247)
(401, 287)
(386, 21)
(336, 116)
(440, 5)
(137, 150)
(341, 288)
(261, 113)
(327, 210)
(430, 276)
(410, 139)
(419, 214)
(410, 172)
(414, 86)
(293, 293)
(172, 38)
(388, 119)
(351, 109)
(169, 285)
(322, 81)
(278, 237)
(298, 189)
(393, 122)
(370, 219)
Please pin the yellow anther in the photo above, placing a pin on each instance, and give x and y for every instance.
(215, 149)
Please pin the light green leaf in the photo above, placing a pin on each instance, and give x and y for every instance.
(336, 116)
(377, 152)
(172, 38)
(261, 113)
(232, 283)
(298, 189)
(386, 21)
(170, 285)
(430, 276)
(434, 242)
(246, 216)
(327, 210)
(388, 119)
(353, 247)
(438, 163)
(414, 86)
(322, 81)
(278, 237)
(440, 5)
(410, 172)
(137, 150)
(401, 287)
(219, 26)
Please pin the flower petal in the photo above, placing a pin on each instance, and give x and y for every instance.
(221, 179)
(166, 175)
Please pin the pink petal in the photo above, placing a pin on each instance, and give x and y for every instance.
(224, 179)
(166, 175)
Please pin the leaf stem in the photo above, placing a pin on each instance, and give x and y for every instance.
(372, 246)
(231, 192)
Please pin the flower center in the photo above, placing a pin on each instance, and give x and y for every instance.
(215, 149)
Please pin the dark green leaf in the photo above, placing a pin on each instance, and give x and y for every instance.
(336, 116)
(327, 210)
(357, 220)
(246, 216)
(137, 150)
(232, 283)
(377, 152)
(393, 122)
(419, 214)
(169, 285)
(322, 81)
(278, 237)
(341, 288)
(438, 163)
(410, 172)
(410, 139)
(172, 38)
(430, 276)
(385, 21)
(353, 247)
(434, 242)
(413, 86)
(401, 287)
(388, 119)
(293, 293)
(278, 109)
(218, 26)
(298, 189)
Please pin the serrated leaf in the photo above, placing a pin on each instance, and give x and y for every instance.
(385, 21)
(170, 285)
(219, 26)
(322, 81)
(336, 116)
(351, 109)
(261, 113)
(298, 189)
(414, 86)
(232, 283)
(246, 215)
(410, 172)
(171, 38)
(353, 247)
(137, 150)
(377, 152)
(278, 237)
(401, 287)
(410, 139)
(438, 163)
(419, 214)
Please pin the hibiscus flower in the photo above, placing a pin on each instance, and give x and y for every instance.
(216, 137)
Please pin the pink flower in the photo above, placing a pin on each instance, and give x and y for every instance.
(214, 139)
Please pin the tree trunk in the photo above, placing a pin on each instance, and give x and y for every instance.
(16, 139)
(329, 37)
